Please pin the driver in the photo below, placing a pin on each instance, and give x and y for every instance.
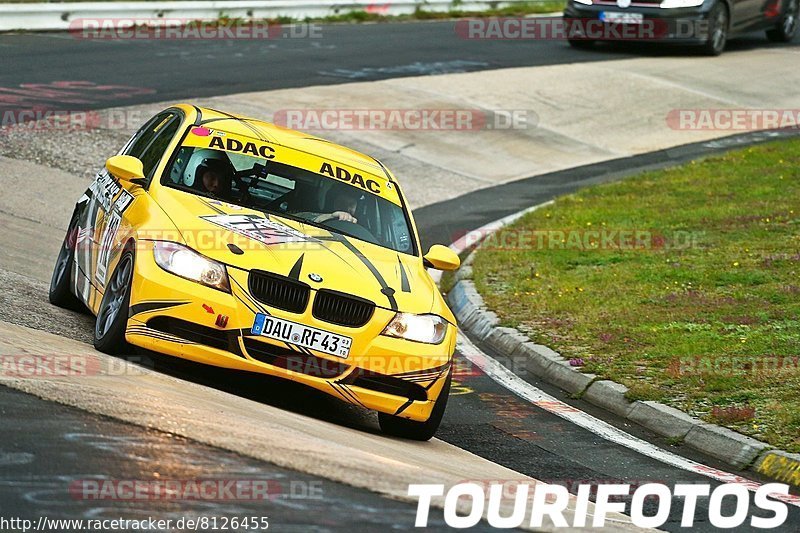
(214, 177)
(209, 171)
(344, 206)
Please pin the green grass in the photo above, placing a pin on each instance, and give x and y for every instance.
(690, 319)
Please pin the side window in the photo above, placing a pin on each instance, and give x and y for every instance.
(156, 150)
(145, 136)
(152, 141)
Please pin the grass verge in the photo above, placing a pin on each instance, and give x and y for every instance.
(683, 284)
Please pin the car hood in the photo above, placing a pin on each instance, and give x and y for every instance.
(252, 240)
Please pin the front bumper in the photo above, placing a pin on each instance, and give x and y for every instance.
(178, 317)
(679, 26)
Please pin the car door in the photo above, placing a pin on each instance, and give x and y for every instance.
(105, 203)
(745, 14)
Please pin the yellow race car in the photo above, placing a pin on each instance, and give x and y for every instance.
(237, 243)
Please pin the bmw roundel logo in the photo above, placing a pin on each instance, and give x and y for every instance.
(315, 277)
(624, 3)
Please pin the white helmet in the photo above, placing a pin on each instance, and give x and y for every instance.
(203, 159)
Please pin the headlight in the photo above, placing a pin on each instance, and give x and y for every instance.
(187, 263)
(429, 329)
(675, 4)
(584, 2)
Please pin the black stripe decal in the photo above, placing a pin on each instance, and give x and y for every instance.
(249, 126)
(425, 372)
(385, 288)
(147, 307)
(345, 261)
(385, 171)
(340, 393)
(298, 266)
(403, 407)
(404, 285)
(144, 332)
(434, 381)
(350, 394)
(212, 207)
(259, 308)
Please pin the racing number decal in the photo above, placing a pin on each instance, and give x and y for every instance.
(113, 220)
(107, 202)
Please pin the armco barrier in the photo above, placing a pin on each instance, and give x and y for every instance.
(58, 16)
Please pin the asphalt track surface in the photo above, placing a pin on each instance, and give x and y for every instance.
(166, 70)
(482, 417)
(57, 450)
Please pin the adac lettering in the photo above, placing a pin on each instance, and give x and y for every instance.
(355, 179)
(232, 145)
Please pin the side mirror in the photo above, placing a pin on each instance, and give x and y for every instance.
(125, 168)
(441, 258)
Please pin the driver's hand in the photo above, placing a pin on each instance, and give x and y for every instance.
(342, 215)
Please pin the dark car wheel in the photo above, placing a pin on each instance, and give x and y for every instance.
(576, 34)
(581, 44)
(410, 429)
(60, 290)
(112, 318)
(785, 29)
(718, 22)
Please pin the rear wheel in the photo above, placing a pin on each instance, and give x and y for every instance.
(786, 28)
(60, 290)
(112, 318)
(413, 430)
(717, 30)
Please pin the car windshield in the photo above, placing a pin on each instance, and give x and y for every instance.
(277, 188)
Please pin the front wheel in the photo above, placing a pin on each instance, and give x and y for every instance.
(413, 430)
(717, 30)
(112, 318)
(785, 29)
(60, 293)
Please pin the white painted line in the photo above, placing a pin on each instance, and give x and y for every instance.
(539, 398)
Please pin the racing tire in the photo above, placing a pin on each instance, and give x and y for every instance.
(719, 20)
(581, 44)
(112, 317)
(60, 293)
(413, 430)
(786, 28)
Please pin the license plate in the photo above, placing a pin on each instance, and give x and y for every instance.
(616, 17)
(305, 336)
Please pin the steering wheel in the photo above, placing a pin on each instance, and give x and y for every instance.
(352, 228)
